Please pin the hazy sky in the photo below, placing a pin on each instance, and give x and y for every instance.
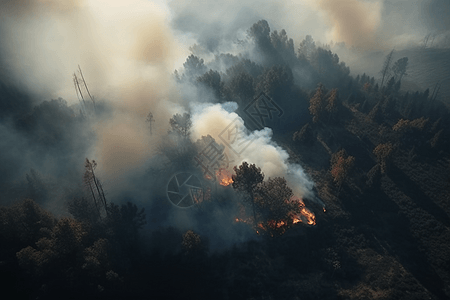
(129, 49)
(368, 24)
(43, 41)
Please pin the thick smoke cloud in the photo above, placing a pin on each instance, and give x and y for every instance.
(261, 150)
(436, 14)
(127, 53)
(354, 22)
(365, 24)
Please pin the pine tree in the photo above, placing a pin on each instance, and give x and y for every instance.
(316, 104)
(386, 70)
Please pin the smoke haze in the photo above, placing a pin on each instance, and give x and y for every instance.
(128, 51)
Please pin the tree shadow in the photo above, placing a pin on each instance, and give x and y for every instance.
(389, 231)
(410, 189)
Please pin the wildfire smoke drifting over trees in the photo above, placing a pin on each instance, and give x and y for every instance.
(65, 233)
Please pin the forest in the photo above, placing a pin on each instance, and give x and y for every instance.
(341, 189)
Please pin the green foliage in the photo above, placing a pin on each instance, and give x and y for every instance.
(125, 220)
(59, 253)
(71, 253)
(386, 70)
(24, 223)
(283, 44)
(245, 66)
(275, 81)
(247, 177)
(212, 80)
(181, 124)
(274, 199)
(390, 86)
(245, 180)
(193, 67)
(306, 48)
(399, 68)
(241, 88)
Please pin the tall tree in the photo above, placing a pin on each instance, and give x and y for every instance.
(246, 180)
(307, 47)
(194, 67)
(316, 104)
(212, 80)
(399, 68)
(95, 187)
(341, 166)
(383, 152)
(240, 87)
(274, 199)
(386, 70)
(181, 124)
(332, 105)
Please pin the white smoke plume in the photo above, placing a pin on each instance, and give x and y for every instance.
(213, 119)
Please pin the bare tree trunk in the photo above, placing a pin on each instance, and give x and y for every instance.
(85, 84)
(253, 206)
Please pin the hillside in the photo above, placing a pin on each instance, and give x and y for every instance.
(426, 68)
(339, 188)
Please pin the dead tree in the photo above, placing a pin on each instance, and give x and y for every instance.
(436, 90)
(80, 83)
(80, 97)
(94, 186)
(150, 120)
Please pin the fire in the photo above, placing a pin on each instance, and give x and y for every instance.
(277, 224)
(305, 215)
(224, 177)
(309, 216)
(301, 214)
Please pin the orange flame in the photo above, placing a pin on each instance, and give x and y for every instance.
(305, 215)
(309, 216)
(300, 215)
(224, 177)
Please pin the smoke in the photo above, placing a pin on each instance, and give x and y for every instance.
(354, 22)
(214, 119)
(436, 14)
(127, 53)
(364, 24)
